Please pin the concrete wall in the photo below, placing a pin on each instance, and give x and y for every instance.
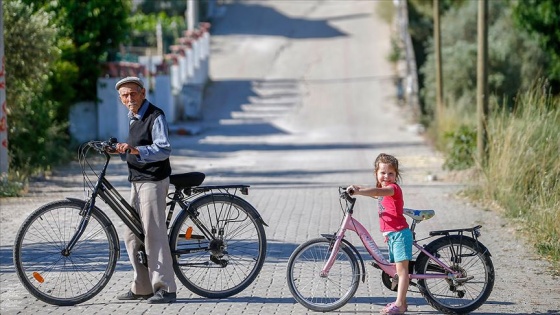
(112, 116)
(83, 121)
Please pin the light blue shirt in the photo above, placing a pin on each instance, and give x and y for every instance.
(161, 148)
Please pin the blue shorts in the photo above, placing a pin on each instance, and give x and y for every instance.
(400, 245)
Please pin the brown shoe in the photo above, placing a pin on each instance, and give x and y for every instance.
(129, 296)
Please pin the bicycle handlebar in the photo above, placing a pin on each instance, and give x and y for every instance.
(345, 195)
(109, 146)
(103, 146)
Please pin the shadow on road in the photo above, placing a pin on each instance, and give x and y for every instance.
(271, 22)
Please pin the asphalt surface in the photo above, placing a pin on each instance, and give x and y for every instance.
(301, 101)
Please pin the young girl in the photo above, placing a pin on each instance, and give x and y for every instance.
(392, 223)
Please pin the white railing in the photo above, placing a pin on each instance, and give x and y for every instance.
(174, 82)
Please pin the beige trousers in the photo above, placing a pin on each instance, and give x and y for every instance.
(148, 198)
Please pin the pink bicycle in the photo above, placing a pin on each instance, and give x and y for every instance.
(454, 272)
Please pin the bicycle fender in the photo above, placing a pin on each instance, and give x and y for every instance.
(459, 237)
(105, 218)
(241, 200)
(259, 217)
(429, 246)
(354, 249)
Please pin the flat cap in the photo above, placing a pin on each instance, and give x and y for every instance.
(135, 80)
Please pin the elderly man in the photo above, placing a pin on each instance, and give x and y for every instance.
(147, 154)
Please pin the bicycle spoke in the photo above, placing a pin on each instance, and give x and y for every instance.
(64, 279)
(310, 288)
(231, 259)
(474, 284)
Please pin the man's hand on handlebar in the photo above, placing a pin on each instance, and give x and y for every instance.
(126, 148)
(111, 150)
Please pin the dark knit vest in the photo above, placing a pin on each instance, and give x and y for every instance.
(140, 134)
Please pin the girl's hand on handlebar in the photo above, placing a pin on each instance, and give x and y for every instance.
(352, 189)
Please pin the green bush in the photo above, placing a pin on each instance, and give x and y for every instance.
(461, 148)
(10, 187)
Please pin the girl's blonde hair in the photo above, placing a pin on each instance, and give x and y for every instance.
(387, 159)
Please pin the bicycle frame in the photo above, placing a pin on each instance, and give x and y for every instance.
(109, 194)
(351, 224)
(114, 200)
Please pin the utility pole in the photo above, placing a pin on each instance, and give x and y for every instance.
(482, 82)
(437, 50)
(3, 110)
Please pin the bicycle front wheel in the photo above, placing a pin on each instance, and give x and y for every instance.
(462, 254)
(318, 293)
(50, 273)
(218, 245)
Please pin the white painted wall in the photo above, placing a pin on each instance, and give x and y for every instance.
(112, 116)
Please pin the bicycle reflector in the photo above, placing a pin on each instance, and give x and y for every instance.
(476, 231)
(188, 233)
(38, 277)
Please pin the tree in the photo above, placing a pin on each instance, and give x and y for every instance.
(30, 52)
(542, 18)
(515, 59)
(170, 8)
(90, 33)
(144, 28)
(53, 51)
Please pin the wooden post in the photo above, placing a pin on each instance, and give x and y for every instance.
(437, 50)
(482, 82)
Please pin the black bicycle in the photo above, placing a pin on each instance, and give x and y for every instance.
(66, 251)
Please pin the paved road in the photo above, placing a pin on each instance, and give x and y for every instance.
(301, 102)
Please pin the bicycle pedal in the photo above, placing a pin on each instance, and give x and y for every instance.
(394, 282)
(142, 258)
(374, 265)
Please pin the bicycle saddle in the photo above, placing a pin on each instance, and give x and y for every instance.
(186, 180)
(419, 215)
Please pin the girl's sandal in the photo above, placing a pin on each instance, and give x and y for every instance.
(405, 306)
(392, 309)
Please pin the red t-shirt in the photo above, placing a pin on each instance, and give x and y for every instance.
(391, 216)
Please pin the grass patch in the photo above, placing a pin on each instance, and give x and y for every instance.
(523, 170)
(386, 11)
(11, 186)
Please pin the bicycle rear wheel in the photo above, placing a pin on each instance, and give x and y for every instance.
(322, 294)
(219, 247)
(50, 274)
(462, 254)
